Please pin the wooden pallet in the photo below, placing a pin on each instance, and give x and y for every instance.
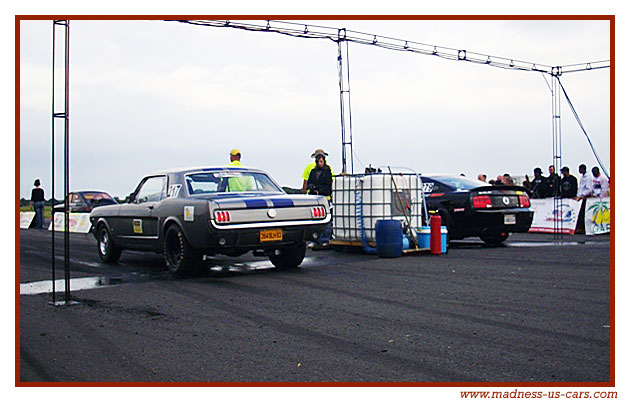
(355, 243)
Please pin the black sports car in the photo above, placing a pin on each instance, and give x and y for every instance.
(473, 208)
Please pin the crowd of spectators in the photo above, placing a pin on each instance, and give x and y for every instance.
(592, 184)
(567, 186)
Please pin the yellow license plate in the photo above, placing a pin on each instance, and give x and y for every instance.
(271, 235)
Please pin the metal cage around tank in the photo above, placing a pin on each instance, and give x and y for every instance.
(360, 200)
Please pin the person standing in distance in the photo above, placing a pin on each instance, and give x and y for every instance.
(585, 188)
(235, 158)
(568, 184)
(554, 182)
(311, 166)
(600, 183)
(238, 184)
(318, 180)
(38, 201)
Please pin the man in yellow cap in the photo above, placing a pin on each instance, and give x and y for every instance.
(235, 158)
(238, 183)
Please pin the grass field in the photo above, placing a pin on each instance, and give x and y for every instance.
(47, 213)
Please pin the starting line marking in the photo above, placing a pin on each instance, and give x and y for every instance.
(34, 288)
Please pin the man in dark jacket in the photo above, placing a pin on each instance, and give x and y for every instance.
(320, 179)
(568, 184)
(538, 185)
(554, 182)
(320, 183)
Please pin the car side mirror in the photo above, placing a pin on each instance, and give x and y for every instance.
(132, 198)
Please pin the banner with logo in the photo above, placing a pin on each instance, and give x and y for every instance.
(79, 222)
(25, 219)
(597, 216)
(564, 218)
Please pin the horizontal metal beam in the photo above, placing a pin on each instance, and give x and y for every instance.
(342, 34)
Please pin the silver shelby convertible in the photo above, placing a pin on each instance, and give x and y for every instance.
(186, 214)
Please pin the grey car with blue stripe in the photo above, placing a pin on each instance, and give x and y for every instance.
(188, 213)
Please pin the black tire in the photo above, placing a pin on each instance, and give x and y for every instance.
(181, 259)
(107, 250)
(290, 256)
(494, 239)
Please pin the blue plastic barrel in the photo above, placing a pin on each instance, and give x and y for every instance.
(389, 238)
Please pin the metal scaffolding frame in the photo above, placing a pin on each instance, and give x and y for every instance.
(343, 36)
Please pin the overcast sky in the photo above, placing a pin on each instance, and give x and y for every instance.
(153, 95)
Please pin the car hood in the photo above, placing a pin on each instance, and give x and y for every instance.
(105, 210)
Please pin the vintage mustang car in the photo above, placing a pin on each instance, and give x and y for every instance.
(186, 214)
(473, 208)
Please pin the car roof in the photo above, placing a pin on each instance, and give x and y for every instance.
(203, 169)
(89, 191)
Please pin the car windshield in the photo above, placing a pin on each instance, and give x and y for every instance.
(98, 198)
(460, 183)
(229, 182)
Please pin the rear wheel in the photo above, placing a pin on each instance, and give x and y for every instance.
(289, 257)
(107, 250)
(181, 259)
(494, 239)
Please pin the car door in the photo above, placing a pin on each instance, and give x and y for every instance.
(137, 226)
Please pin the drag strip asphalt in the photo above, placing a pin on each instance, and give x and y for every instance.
(534, 310)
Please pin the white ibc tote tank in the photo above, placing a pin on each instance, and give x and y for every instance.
(374, 196)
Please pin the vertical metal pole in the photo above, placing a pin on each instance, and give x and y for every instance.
(66, 118)
(557, 149)
(53, 162)
(67, 163)
(349, 107)
(344, 92)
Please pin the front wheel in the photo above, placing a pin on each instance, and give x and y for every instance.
(181, 259)
(289, 257)
(494, 239)
(107, 250)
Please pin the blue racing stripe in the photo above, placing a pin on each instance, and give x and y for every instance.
(255, 203)
(282, 202)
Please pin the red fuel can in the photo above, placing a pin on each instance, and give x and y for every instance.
(436, 234)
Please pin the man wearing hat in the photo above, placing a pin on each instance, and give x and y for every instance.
(235, 158)
(318, 180)
(238, 183)
(311, 166)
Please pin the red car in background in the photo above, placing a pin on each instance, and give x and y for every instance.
(86, 201)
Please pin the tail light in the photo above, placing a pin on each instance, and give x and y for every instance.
(318, 212)
(482, 201)
(523, 201)
(222, 216)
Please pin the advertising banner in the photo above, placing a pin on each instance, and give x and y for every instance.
(564, 218)
(597, 216)
(79, 222)
(25, 219)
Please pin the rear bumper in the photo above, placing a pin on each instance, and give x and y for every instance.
(227, 241)
(489, 221)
